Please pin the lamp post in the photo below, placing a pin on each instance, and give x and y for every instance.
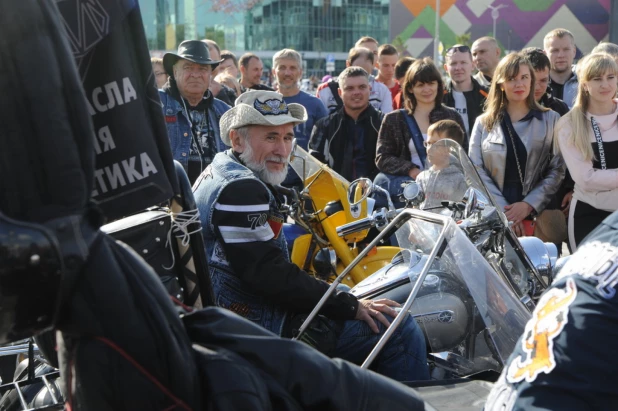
(436, 38)
(495, 14)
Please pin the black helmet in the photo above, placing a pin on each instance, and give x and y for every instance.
(30, 274)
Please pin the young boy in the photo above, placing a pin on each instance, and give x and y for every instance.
(442, 181)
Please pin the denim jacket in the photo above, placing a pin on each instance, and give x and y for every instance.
(179, 127)
(230, 291)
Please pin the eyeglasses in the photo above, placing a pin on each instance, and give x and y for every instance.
(461, 49)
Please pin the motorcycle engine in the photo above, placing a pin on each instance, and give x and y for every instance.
(443, 317)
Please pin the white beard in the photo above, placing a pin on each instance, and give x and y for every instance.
(267, 176)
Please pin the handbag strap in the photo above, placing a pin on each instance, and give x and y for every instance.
(597, 135)
(521, 175)
(417, 136)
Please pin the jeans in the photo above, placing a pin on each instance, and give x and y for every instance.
(392, 184)
(403, 358)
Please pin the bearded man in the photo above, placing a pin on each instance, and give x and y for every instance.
(249, 263)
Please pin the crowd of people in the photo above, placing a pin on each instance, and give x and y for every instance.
(526, 119)
(553, 177)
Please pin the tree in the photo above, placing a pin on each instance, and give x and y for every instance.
(218, 36)
(464, 39)
(232, 6)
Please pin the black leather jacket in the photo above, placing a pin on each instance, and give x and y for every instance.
(475, 100)
(329, 137)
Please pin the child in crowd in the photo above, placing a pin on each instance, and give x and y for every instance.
(442, 181)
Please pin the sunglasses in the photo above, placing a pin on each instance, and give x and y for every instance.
(461, 49)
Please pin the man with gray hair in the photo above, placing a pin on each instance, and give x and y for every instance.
(288, 70)
(249, 263)
(191, 111)
(559, 45)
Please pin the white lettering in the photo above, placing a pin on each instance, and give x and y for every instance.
(120, 174)
(129, 91)
(95, 99)
(113, 95)
(105, 136)
(129, 169)
(147, 165)
(99, 176)
(114, 175)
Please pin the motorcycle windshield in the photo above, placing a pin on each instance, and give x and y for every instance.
(309, 168)
(470, 318)
(450, 174)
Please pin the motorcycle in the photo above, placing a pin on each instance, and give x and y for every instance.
(461, 273)
(327, 201)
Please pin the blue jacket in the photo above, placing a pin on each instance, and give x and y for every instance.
(179, 126)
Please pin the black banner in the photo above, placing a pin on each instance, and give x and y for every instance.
(133, 167)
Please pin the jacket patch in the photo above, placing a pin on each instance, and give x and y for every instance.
(275, 222)
(596, 261)
(547, 322)
(171, 119)
(240, 309)
(218, 255)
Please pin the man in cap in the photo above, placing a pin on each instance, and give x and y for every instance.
(191, 112)
(249, 264)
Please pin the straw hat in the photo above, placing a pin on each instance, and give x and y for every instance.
(260, 108)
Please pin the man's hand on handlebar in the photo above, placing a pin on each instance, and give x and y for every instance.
(371, 310)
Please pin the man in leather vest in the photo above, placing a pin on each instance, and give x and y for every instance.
(249, 263)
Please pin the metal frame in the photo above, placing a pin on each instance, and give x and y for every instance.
(30, 347)
(403, 216)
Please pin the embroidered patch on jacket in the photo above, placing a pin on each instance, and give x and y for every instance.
(271, 107)
(276, 224)
(240, 309)
(547, 322)
(596, 261)
(218, 255)
(171, 119)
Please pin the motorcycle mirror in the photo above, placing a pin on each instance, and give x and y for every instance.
(324, 262)
(471, 201)
(411, 191)
(359, 190)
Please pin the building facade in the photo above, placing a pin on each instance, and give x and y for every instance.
(315, 28)
(516, 24)
(327, 29)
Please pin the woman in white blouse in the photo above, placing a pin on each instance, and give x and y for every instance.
(588, 139)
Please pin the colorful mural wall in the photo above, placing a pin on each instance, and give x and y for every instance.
(519, 23)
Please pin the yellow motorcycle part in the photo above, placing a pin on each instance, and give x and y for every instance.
(368, 265)
(300, 249)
